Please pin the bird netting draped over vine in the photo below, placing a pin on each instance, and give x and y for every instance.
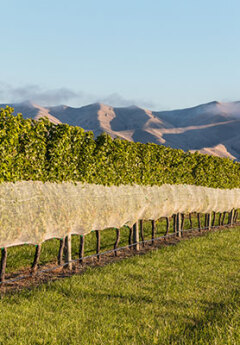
(32, 212)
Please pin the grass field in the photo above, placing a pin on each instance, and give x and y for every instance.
(188, 293)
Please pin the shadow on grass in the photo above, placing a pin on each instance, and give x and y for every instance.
(216, 315)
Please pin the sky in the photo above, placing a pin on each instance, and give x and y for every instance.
(155, 54)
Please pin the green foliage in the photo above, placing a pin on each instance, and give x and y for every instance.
(40, 150)
(23, 147)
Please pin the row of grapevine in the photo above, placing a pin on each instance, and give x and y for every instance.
(42, 151)
(175, 226)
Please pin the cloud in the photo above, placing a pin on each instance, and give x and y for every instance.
(35, 93)
(232, 108)
(48, 97)
(117, 100)
(227, 108)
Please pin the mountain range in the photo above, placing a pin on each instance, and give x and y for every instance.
(212, 128)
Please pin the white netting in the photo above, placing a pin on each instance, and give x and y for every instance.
(32, 212)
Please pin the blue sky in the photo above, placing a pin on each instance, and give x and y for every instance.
(157, 54)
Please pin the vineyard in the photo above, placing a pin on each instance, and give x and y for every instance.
(58, 181)
(41, 151)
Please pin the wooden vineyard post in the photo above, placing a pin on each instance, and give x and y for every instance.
(182, 221)
(209, 221)
(174, 223)
(199, 221)
(36, 259)
(136, 236)
(68, 247)
(130, 237)
(178, 223)
(235, 216)
(153, 230)
(167, 225)
(117, 241)
(223, 218)
(60, 251)
(220, 219)
(81, 249)
(232, 217)
(214, 217)
(3, 264)
(229, 218)
(190, 220)
(206, 221)
(98, 244)
(141, 232)
(65, 248)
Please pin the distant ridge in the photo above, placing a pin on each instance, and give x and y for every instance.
(211, 128)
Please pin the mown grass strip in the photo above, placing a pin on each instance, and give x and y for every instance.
(183, 294)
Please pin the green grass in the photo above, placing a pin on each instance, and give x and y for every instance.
(22, 256)
(183, 294)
